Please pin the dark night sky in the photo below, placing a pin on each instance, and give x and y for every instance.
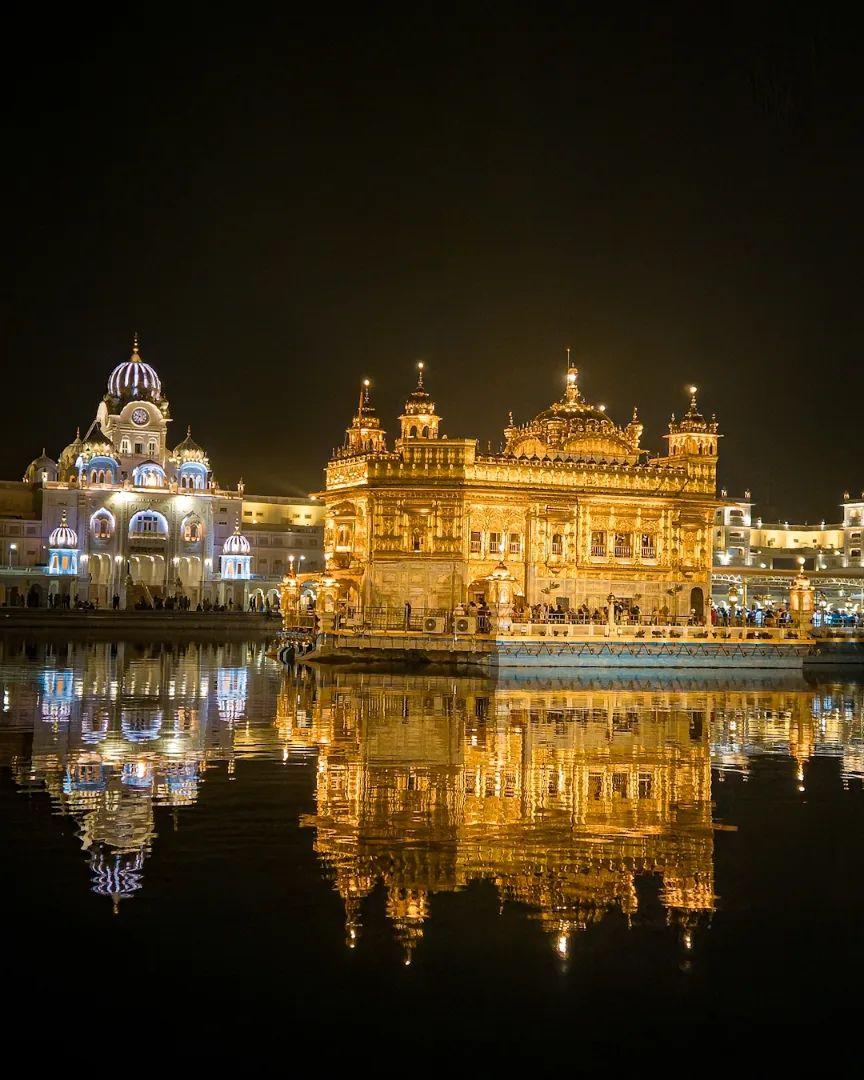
(285, 206)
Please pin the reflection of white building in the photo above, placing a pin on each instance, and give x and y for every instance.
(123, 512)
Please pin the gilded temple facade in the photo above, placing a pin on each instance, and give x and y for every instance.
(569, 508)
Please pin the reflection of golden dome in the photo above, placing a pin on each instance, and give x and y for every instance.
(574, 429)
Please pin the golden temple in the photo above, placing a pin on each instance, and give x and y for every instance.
(570, 508)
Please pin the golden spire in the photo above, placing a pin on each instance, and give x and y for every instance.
(135, 357)
(572, 392)
(420, 366)
(364, 396)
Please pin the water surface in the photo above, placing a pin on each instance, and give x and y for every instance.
(544, 865)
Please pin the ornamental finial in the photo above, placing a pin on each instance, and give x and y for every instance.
(572, 393)
(420, 366)
(135, 355)
(364, 396)
(693, 391)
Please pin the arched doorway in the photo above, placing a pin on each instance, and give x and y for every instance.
(697, 602)
(478, 591)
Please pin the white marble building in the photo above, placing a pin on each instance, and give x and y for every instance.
(123, 513)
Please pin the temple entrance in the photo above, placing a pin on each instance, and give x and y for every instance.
(697, 603)
(189, 575)
(100, 579)
(148, 570)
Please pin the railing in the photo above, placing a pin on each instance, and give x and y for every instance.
(651, 632)
(418, 620)
(428, 622)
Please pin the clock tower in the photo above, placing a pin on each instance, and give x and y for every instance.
(134, 414)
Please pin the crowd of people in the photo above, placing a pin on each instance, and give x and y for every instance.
(750, 616)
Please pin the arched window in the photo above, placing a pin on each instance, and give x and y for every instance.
(102, 525)
(148, 523)
(192, 531)
(416, 541)
(148, 475)
(557, 543)
(124, 446)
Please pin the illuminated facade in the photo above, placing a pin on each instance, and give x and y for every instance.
(756, 559)
(570, 506)
(149, 519)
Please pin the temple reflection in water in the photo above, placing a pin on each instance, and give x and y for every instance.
(571, 799)
(561, 798)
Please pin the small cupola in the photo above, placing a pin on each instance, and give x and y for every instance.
(419, 420)
(365, 436)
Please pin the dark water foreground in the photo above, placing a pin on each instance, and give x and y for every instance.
(389, 868)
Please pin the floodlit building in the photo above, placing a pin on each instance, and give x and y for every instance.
(570, 507)
(755, 560)
(126, 511)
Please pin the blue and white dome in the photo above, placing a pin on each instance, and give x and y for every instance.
(63, 536)
(236, 544)
(134, 378)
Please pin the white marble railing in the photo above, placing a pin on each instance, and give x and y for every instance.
(625, 632)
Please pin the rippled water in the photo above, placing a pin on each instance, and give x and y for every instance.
(430, 860)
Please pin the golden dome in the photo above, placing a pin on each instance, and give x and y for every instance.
(573, 429)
